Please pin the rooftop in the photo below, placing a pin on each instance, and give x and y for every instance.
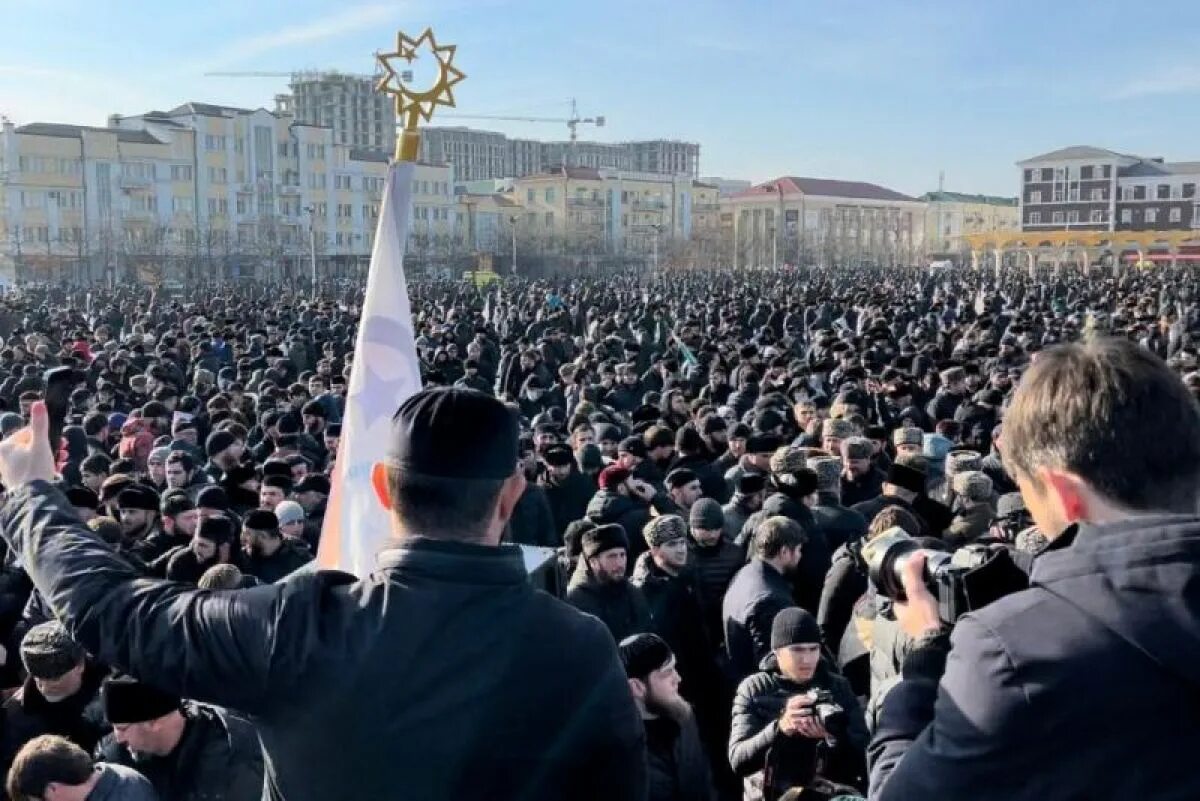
(209, 110)
(827, 187)
(76, 132)
(1079, 152)
(963, 197)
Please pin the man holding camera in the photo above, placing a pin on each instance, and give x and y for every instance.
(797, 718)
(1085, 684)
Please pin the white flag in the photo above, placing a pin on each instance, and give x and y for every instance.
(385, 372)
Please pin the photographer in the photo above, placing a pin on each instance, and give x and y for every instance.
(1083, 685)
(797, 719)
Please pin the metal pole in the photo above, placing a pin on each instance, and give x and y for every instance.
(656, 251)
(513, 220)
(312, 249)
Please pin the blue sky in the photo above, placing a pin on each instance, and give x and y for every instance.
(887, 91)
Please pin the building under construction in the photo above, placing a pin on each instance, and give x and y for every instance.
(360, 116)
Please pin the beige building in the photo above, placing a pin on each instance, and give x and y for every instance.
(823, 222)
(952, 216)
(199, 191)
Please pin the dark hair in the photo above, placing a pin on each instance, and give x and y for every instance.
(1114, 414)
(894, 517)
(443, 508)
(45, 760)
(182, 458)
(776, 533)
(96, 463)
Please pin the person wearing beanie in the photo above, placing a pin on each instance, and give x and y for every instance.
(58, 694)
(84, 501)
(861, 480)
(269, 556)
(442, 584)
(273, 490)
(186, 750)
(567, 489)
(714, 559)
(600, 587)
(777, 740)
(224, 453)
(833, 516)
(177, 523)
(750, 491)
(684, 488)
(628, 502)
(312, 493)
(761, 588)
(973, 518)
(677, 765)
(291, 521)
(738, 434)
(215, 542)
(693, 454)
(137, 509)
(156, 467)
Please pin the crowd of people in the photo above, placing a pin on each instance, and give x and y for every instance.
(708, 454)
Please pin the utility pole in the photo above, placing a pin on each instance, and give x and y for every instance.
(312, 245)
(513, 221)
(657, 232)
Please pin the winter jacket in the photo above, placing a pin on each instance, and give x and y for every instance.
(771, 762)
(290, 557)
(969, 524)
(217, 759)
(815, 556)
(532, 521)
(754, 597)
(621, 606)
(677, 616)
(844, 584)
(736, 515)
(862, 488)
(715, 567)
(533, 677)
(568, 500)
(838, 523)
(943, 406)
(677, 765)
(79, 718)
(1099, 653)
(632, 514)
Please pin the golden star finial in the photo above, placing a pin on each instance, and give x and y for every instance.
(411, 105)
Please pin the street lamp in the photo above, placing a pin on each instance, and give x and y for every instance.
(513, 222)
(312, 245)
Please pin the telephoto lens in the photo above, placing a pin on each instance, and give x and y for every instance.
(886, 555)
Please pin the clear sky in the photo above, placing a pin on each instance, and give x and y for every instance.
(889, 91)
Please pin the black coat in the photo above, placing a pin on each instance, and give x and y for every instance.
(838, 523)
(815, 556)
(1100, 654)
(290, 557)
(677, 616)
(532, 521)
(757, 593)
(769, 761)
(862, 488)
(568, 500)
(715, 568)
(677, 766)
(621, 607)
(217, 759)
(844, 585)
(444, 674)
(79, 718)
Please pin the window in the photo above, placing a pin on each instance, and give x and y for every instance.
(1126, 215)
(218, 175)
(1085, 172)
(1097, 216)
(1163, 192)
(1072, 217)
(1061, 174)
(1028, 176)
(1047, 174)
(32, 200)
(1139, 193)
(1058, 194)
(1058, 218)
(1126, 193)
(181, 172)
(1107, 170)
(1035, 196)
(1098, 194)
(549, 219)
(316, 181)
(345, 211)
(529, 196)
(242, 204)
(1189, 190)
(1151, 215)
(1176, 215)
(550, 195)
(1073, 194)
(183, 205)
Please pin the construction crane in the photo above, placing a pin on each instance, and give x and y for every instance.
(573, 122)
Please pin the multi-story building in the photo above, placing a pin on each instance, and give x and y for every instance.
(951, 216)
(727, 186)
(1084, 188)
(524, 158)
(358, 114)
(200, 190)
(825, 222)
(476, 155)
(667, 156)
(596, 155)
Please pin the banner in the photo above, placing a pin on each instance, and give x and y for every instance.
(385, 372)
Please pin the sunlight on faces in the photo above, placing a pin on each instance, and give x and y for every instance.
(799, 662)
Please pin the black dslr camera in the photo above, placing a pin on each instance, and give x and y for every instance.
(968, 579)
(828, 712)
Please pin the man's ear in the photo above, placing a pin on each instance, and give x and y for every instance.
(1068, 491)
(637, 687)
(510, 492)
(379, 483)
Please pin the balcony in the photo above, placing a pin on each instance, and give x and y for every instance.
(130, 182)
(706, 207)
(586, 202)
(647, 204)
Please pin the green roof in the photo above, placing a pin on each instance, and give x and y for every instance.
(963, 197)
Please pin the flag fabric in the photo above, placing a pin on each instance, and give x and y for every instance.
(385, 372)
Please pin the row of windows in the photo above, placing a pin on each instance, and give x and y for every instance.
(430, 213)
(1150, 215)
(431, 188)
(50, 166)
(1161, 192)
(1087, 172)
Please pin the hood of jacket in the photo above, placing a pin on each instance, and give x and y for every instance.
(1140, 578)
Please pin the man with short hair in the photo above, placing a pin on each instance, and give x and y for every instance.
(187, 751)
(683, 485)
(678, 768)
(568, 491)
(270, 557)
(445, 588)
(312, 493)
(747, 499)
(273, 490)
(861, 480)
(212, 543)
(759, 590)
(51, 768)
(599, 585)
(179, 520)
(1104, 442)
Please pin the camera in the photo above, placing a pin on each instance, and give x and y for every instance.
(963, 581)
(827, 711)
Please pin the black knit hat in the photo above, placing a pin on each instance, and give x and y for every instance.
(751, 482)
(176, 502)
(138, 496)
(642, 654)
(217, 529)
(680, 477)
(454, 433)
(48, 652)
(83, 498)
(218, 441)
(905, 477)
(558, 456)
(604, 538)
(634, 446)
(706, 514)
(261, 520)
(794, 626)
(127, 700)
(212, 498)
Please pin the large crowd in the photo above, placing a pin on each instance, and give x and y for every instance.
(709, 454)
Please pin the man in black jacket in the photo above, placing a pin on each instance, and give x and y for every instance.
(539, 708)
(715, 559)
(568, 491)
(678, 769)
(783, 734)
(269, 556)
(601, 588)
(187, 751)
(1104, 442)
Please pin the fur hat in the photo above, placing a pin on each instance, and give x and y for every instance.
(48, 652)
(856, 448)
(834, 428)
(604, 538)
(908, 435)
(973, 485)
(961, 461)
(664, 529)
(829, 472)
